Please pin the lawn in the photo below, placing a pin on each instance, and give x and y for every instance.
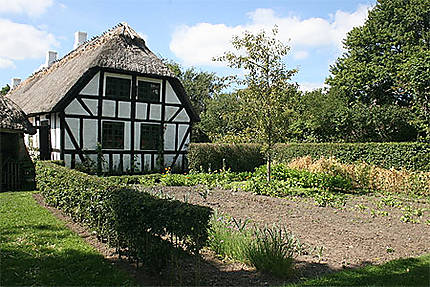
(401, 272)
(38, 249)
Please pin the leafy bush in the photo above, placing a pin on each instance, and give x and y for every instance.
(304, 178)
(236, 157)
(134, 222)
(366, 176)
(246, 157)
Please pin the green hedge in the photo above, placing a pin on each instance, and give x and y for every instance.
(413, 156)
(236, 157)
(133, 222)
(246, 157)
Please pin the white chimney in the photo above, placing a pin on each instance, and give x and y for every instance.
(15, 82)
(80, 38)
(51, 57)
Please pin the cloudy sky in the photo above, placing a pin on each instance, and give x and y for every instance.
(190, 32)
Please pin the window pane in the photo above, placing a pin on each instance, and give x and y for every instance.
(113, 135)
(150, 137)
(117, 88)
(148, 91)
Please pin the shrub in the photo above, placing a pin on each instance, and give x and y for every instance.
(366, 176)
(133, 222)
(236, 157)
(246, 157)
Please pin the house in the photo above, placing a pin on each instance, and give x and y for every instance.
(110, 101)
(16, 167)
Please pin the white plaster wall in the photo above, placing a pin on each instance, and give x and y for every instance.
(68, 160)
(137, 163)
(74, 127)
(92, 104)
(168, 159)
(169, 137)
(170, 111)
(171, 97)
(108, 109)
(182, 117)
(115, 162)
(92, 88)
(181, 130)
(147, 162)
(124, 109)
(155, 112)
(90, 134)
(126, 162)
(141, 111)
(75, 108)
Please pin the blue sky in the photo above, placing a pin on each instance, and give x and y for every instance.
(190, 32)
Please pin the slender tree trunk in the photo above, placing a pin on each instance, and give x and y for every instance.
(269, 166)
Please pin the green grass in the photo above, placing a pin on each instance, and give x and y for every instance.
(38, 249)
(400, 272)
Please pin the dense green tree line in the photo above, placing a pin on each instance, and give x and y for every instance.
(379, 89)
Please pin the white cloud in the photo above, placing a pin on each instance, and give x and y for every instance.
(23, 42)
(196, 45)
(6, 63)
(308, 86)
(29, 7)
(300, 55)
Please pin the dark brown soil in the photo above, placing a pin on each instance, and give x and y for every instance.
(359, 233)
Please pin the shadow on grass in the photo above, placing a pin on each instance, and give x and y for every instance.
(400, 272)
(67, 267)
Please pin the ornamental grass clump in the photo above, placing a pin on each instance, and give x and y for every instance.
(270, 250)
(273, 250)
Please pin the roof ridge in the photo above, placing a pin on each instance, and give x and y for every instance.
(83, 46)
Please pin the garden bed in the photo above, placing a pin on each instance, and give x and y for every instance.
(368, 229)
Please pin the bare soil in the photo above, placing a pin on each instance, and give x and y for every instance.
(359, 233)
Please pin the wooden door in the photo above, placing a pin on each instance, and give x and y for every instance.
(44, 142)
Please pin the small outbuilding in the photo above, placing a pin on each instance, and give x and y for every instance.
(16, 167)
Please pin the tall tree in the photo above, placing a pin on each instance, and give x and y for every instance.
(369, 70)
(266, 78)
(200, 86)
(5, 90)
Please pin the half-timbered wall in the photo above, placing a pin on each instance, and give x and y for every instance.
(82, 121)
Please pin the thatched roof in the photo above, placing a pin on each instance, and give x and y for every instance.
(13, 118)
(118, 48)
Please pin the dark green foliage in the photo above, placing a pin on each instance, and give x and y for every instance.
(246, 157)
(236, 157)
(134, 222)
(4, 90)
(304, 178)
(413, 156)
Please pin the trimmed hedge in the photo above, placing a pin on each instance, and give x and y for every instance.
(236, 157)
(412, 156)
(246, 157)
(134, 222)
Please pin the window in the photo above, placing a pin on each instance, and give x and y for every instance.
(150, 137)
(148, 91)
(117, 88)
(113, 135)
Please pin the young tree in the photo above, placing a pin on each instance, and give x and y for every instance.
(266, 78)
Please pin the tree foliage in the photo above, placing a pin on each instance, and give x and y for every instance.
(5, 90)
(267, 80)
(396, 30)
